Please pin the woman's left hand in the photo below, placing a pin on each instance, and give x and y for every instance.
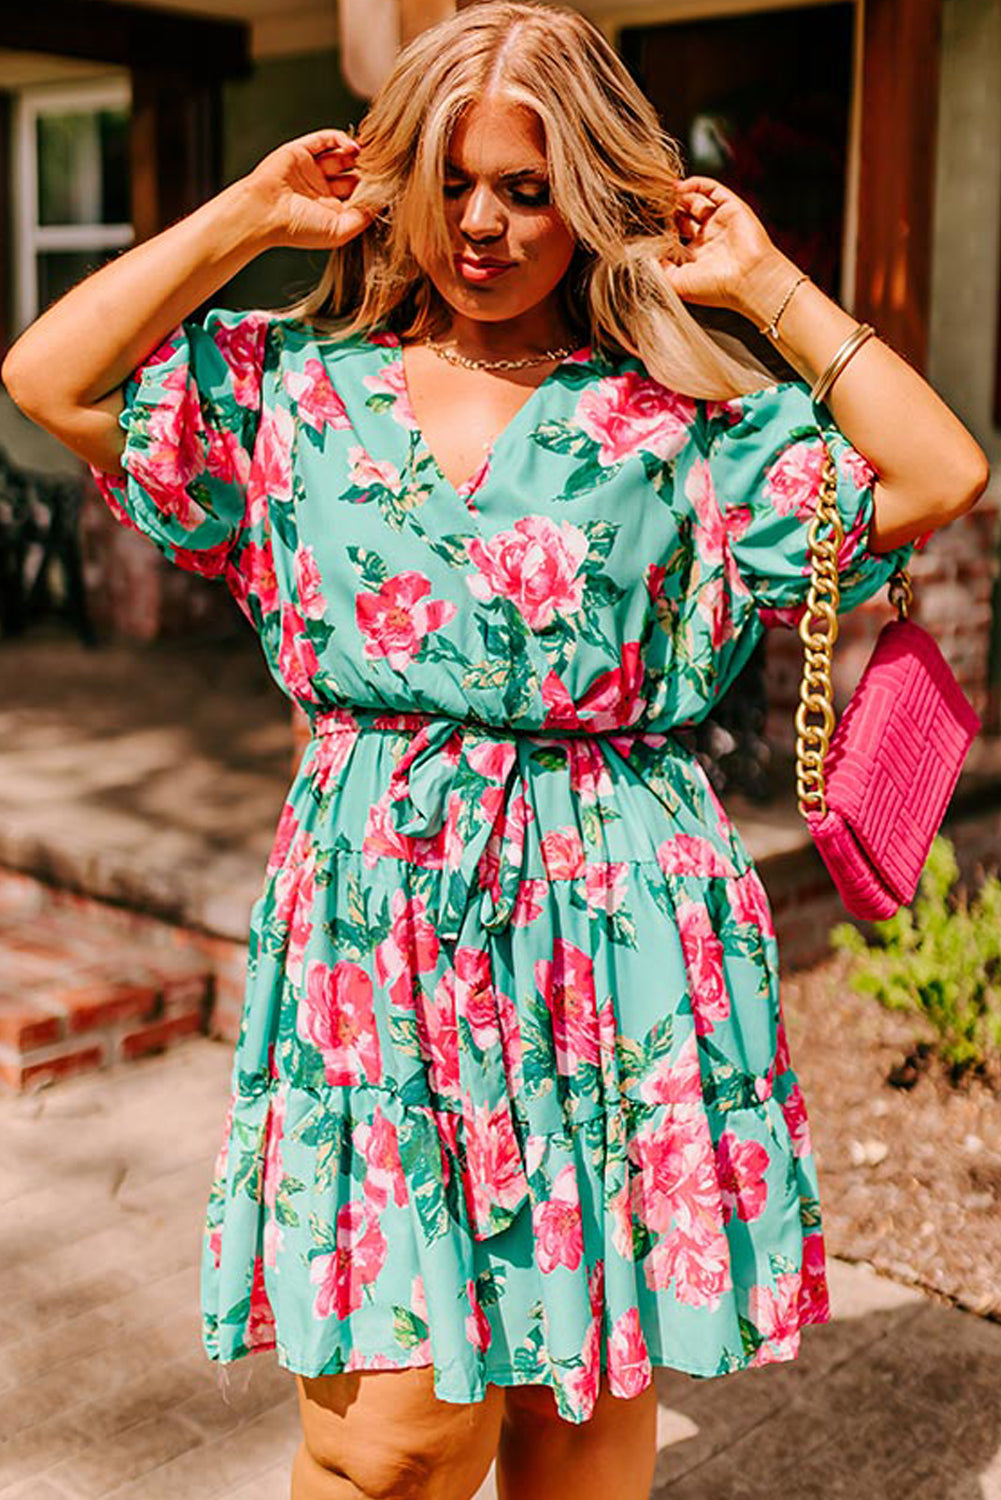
(724, 243)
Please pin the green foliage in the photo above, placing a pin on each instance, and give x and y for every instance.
(940, 959)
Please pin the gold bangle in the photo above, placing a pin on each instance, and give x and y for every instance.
(772, 328)
(851, 346)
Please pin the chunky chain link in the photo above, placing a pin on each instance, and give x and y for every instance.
(818, 630)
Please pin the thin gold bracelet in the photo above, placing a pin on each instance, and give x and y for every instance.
(772, 328)
(850, 347)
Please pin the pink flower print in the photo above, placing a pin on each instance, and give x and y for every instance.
(676, 1180)
(344, 1273)
(627, 414)
(391, 381)
(655, 576)
(331, 756)
(285, 833)
(581, 1385)
(529, 903)
(215, 1246)
(814, 1299)
(495, 1176)
(395, 620)
(563, 853)
(678, 1081)
(857, 468)
(590, 777)
(297, 659)
(741, 1167)
(382, 839)
(567, 986)
(418, 1300)
(691, 854)
(703, 955)
(478, 1331)
(711, 539)
(492, 759)
(226, 457)
(242, 347)
(337, 1017)
(713, 605)
(561, 711)
(698, 1264)
(557, 1225)
(536, 565)
(318, 403)
(508, 835)
(273, 1243)
(296, 863)
(749, 902)
(783, 1061)
(439, 1036)
(605, 886)
(792, 482)
(629, 1369)
(409, 948)
(620, 1212)
(613, 698)
(510, 1030)
(775, 1314)
(469, 486)
(366, 471)
(271, 475)
(384, 1178)
(308, 585)
(260, 1330)
(474, 993)
(273, 1146)
(256, 575)
(794, 1113)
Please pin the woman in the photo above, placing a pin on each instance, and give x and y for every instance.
(513, 1116)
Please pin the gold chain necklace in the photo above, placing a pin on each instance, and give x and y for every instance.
(495, 364)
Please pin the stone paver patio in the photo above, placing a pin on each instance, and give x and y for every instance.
(105, 1391)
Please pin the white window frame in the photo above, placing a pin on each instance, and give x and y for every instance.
(30, 237)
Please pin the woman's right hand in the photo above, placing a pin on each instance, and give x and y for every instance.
(304, 188)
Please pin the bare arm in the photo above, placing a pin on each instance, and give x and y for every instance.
(66, 370)
(930, 467)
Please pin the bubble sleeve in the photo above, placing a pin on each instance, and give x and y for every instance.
(190, 418)
(766, 456)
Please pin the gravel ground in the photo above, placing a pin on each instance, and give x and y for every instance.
(910, 1172)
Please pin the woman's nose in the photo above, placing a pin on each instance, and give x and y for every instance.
(482, 213)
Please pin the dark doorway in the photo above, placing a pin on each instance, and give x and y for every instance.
(761, 102)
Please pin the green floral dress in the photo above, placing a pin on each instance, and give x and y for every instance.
(512, 1095)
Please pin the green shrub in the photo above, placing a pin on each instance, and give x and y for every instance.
(940, 959)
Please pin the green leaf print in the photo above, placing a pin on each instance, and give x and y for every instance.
(440, 647)
(284, 1211)
(549, 758)
(324, 1235)
(453, 547)
(318, 1126)
(283, 523)
(490, 1286)
(660, 473)
(404, 1033)
(408, 1329)
(781, 1265)
(601, 538)
(587, 477)
(751, 1338)
(238, 1313)
(564, 437)
(809, 1212)
(369, 566)
(725, 1087)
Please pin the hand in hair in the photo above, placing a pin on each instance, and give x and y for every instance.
(723, 240)
(305, 187)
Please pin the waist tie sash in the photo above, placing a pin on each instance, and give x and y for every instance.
(457, 783)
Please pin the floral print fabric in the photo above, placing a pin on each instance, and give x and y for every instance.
(512, 1094)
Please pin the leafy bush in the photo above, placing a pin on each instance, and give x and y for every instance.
(940, 959)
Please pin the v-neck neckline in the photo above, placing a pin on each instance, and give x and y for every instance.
(471, 486)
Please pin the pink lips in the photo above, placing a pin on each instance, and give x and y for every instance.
(481, 270)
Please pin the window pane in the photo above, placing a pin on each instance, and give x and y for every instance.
(58, 270)
(83, 167)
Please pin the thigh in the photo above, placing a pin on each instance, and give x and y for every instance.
(611, 1456)
(385, 1433)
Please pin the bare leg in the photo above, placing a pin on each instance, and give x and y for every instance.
(609, 1457)
(384, 1435)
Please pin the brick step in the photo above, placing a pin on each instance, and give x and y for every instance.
(77, 994)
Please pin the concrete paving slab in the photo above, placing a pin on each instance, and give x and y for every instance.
(104, 1390)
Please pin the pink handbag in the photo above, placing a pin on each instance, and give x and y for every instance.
(874, 790)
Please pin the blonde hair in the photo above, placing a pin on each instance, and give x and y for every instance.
(613, 173)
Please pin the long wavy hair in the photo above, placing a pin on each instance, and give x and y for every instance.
(613, 173)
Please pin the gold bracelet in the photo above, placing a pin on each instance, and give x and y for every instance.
(851, 346)
(772, 328)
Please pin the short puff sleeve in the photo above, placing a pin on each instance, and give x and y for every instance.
(191, 415)
(766, 460)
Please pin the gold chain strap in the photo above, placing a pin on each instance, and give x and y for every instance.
(818, 630)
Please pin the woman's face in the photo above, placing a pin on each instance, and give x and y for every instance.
(510, 247)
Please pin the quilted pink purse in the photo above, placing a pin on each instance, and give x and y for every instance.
(874, 790)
